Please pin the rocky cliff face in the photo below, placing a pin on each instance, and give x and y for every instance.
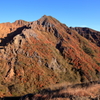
(36, 54)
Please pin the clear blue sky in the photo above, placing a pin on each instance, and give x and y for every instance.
(71, 12)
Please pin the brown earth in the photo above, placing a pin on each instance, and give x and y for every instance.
(45, 52)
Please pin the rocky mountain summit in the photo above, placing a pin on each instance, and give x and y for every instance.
(45, 52)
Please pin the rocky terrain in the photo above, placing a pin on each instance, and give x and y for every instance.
(34, 55)
(90, 34)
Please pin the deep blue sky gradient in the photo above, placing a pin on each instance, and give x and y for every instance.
(80, 13)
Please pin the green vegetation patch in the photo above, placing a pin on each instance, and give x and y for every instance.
(88, 51)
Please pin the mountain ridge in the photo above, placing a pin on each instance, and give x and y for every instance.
(36, 54)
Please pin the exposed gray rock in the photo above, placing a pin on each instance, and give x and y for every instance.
(54, 65)
(30, 33)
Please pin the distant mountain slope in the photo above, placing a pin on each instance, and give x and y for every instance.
(36, 54)
(90, 34)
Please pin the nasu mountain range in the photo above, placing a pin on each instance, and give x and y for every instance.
(34, 55)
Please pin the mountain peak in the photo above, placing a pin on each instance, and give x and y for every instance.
(48, 19)
(34, 55)
(45, 16)
(44, 19)
(20, 22)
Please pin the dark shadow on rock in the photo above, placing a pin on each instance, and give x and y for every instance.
(25, 97)
(10, 98)
(9, 38)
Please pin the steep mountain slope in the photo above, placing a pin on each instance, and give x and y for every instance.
(36, 54)
(90, 34)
